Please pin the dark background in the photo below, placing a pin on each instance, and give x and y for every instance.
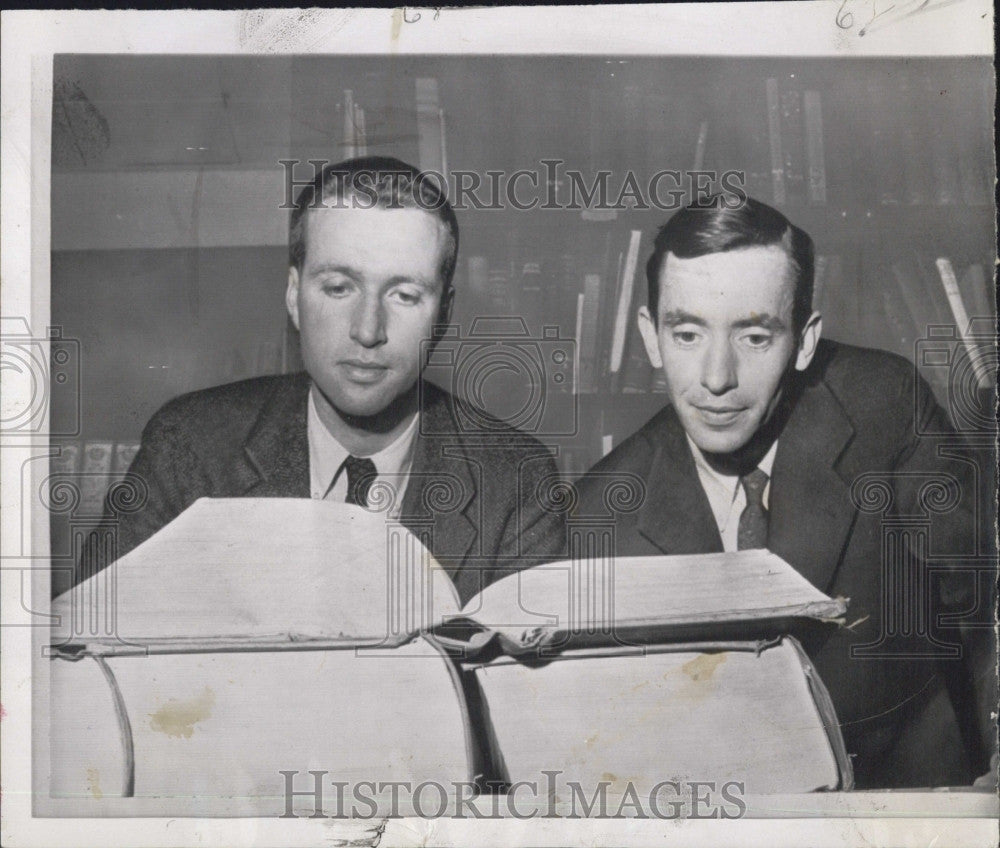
(169, 243)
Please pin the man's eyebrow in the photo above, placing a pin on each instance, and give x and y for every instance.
(763, 320)
(334, 268)
(673, 317)
(430, 285)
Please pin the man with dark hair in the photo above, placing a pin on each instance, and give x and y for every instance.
(372, 251)
(772, 439)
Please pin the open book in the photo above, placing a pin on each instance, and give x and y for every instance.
(281, 571)
(230, 624)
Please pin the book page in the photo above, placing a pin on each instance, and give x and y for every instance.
(253, 568)
(660, 592)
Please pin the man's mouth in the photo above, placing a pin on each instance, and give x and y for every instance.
(359, 371)
(719, 416)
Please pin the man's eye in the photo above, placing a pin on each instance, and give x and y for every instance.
(335, 288)
(757, 339)
(685, 337)
(409, 298)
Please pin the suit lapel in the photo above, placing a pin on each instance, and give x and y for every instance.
(810, 506)
(441, 490)
(677, 516)
(277, 449)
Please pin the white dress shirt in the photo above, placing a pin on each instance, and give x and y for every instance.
(328, 477)
(725, 494)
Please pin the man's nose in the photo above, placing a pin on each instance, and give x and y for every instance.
(368, 322)
(718, 373)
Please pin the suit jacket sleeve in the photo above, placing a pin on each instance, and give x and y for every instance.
(535, 530)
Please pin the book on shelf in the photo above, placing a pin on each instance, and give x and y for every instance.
(644, 636)
(980, 364)
(588, 315)
(933, 293)
(840, 304)
(634, 147)
(236, 367)
(883, 154)
(773, 106)
(268, 360)
(820, 271)
(96, 468)
(941, 136)
(531, 298)
(815, 155)
(975, 151)
(610, 295)
(572, 461)
(700, 145)
(430, 133)
(979, 297)
(894, 316)
(65, 459)
(624, 324)
(911, 144)
(792, 142)
(498, 287)
(479, 278)
(658, 385)
(559, 289)
(909, 287)
(746, 108)
(122, 460)
(349, 139)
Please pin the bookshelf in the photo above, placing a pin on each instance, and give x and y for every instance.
(887, 163)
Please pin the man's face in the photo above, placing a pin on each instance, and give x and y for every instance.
(369, 292)
(725, 341)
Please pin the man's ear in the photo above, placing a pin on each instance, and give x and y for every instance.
(808, 340)
(650, 338)
(443, 318)
(292, 295)
(447, 302)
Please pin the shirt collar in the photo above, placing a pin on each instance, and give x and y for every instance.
(721, 488)
(327, 455)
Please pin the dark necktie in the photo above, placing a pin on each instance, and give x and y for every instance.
(360, 476)
(752, 531)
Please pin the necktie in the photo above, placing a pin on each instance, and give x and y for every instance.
(752, 531)
(360, 476)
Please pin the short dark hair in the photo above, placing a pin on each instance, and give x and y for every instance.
(374, 181)
(699, 230)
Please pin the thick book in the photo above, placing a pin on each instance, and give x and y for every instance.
(342, 571)
(331, 637)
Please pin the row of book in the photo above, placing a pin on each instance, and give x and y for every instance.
(864, 299)
(92, 466)
(362, 127)
(909, 301)
(901, 139)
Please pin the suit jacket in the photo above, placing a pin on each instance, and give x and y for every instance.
(849, 464)
(474, 493)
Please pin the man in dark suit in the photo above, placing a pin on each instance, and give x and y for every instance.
(813, 449)
(373, 246)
